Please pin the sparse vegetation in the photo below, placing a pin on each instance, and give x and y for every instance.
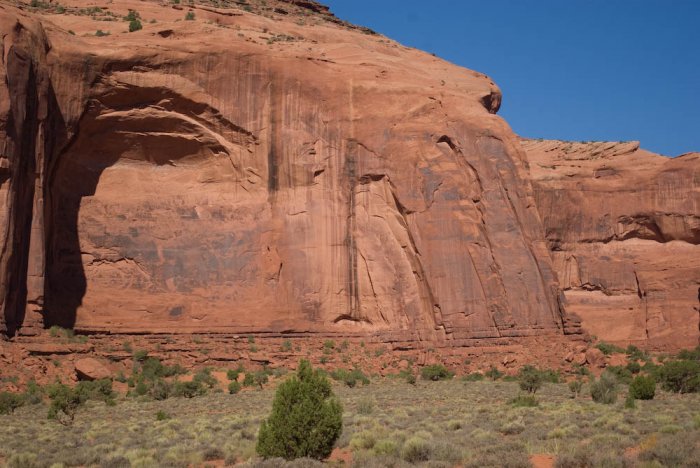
(604, 390)
(435, 372)
(189, 16)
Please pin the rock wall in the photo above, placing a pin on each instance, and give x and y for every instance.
(623, 226)
(243, 173)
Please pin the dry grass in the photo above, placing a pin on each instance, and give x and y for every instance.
(387, 423)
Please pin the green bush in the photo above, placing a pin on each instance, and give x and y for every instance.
(306, 418)
(140, 355)
(189, 16)
(622, 374)
(234, 387)
(350, 377)
(690, 354)
(34, 393)
(205, 379)
(680, 376)
(189, 389)
(133, 15)
(286, 346)
(527, 401)
(416, 449)
(232, 374)
(605, 389)
(608, 348)
(257, 378)
(435, 372)
(64, 403)
(530, 379)
(575, 386)
(493, 373)
(634, 367)
(135, 25)
(643, 387)
(636, 354)
(9, 402)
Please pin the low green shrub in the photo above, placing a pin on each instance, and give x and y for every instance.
(416, 449)
(306, 418)
(604, 390)
(9, 402)
(622, 374)
(607, 348)
(234, 387)
(527, 401)
(530, 379)
(643, 387)
(493, 373)
(473, 377)
(679, 376)
(350, 377)
(435, 372)
(575, 386)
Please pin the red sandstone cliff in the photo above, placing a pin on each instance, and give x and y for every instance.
(274, 170)
(623, 225)
(243, 172)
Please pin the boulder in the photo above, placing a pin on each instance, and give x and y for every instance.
(91, 369)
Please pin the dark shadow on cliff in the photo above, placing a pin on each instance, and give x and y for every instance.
(75, 175)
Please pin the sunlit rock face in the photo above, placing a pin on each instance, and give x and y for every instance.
(278, 173)
(623, 225)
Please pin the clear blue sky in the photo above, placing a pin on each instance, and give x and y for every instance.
(568, 69)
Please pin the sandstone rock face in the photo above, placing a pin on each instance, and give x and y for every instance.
(623, 226)
(247, 173)
(91, 369)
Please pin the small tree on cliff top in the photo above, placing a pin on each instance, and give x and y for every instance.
(306, 418)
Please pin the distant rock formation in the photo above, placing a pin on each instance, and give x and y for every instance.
(623, 226)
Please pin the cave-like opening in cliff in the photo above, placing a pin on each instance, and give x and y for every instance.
(115, 192)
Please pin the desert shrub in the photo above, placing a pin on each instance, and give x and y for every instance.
(622, 374)
(575, 386)
(9, 402)
(234, 387)
(680, 376)
(689, 354)
(152, 368)
(132, 15)
(100, 390)
(257, 378)
(473, 377)
(64, 403)
(636, 354)
(527, 401)
(162, 415)
(232, 374)
(286, 346)
(416, 449)
(410, 378)
(435, 372)
(140, 355)
(306, 418)
(679, 449)
(630, 402)
(493, 373)
(135, 25)
(643, 387)
(634, 367)
(101, 33)
(205, 379)
(189, 16)
(189, 389)
(365, 406)
(350, 377)
(530, 379)
(34, 394)
(607, 348)
(604, 390)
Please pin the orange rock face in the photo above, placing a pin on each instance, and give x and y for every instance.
(623, 225)
(269, 171)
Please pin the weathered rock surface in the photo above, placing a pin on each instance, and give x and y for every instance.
(246, 173)
(91, 369)
(623, 225)
(280, 171)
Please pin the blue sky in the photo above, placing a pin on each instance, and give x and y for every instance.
(568, 69)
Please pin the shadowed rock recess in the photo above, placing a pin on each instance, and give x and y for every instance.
(273, 169)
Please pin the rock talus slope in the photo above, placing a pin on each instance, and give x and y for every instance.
(623, 225)
(245, 172)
